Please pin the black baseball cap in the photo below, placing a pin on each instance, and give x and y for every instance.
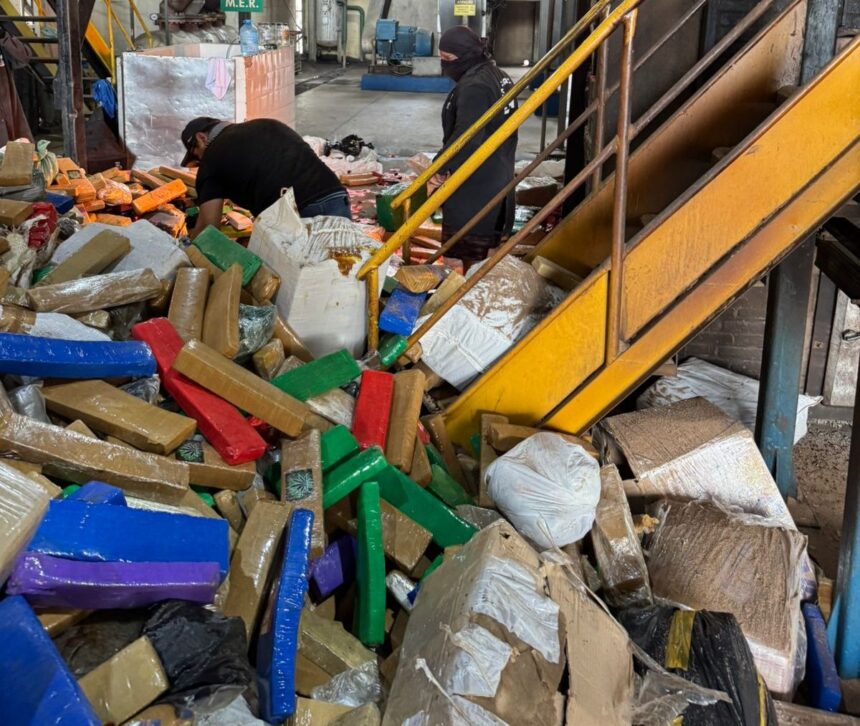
(201, 124)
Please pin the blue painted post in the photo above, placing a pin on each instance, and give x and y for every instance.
(787, 303)
(847, 649)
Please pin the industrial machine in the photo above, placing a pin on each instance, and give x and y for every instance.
(396, 44)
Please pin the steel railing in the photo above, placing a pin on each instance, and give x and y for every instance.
(606, 21)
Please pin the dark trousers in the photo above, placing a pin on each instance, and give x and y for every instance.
(335, 204)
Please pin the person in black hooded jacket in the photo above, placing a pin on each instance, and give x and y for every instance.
(480, 83)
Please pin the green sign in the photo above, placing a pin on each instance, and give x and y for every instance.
(242, 6)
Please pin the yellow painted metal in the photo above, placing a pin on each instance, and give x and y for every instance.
(111, 46)
(98, 44)
(502, 134)
(372, 288)
(557, 355)
(595, 11)
(142, 22)
(790, 225)
(761, 175)
(721, 114)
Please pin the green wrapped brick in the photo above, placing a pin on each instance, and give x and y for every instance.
(421, 506)
(392, 219)
(391, 347)
(223, 252)
(370, 570)
(433, 566)
(318, 376)
(436, 458)
(69, 490)
(351, 474)
(336, 446)
(444, 486)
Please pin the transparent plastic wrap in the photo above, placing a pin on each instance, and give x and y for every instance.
(53, 582)
(616, 546)
(126, 683)
(317, 143)
(367, 162)
(354, 687)
(735, 394)
(320, 297)
(255, 328)
(38, 687)
(124, 318)
(96, 292)
(114, 193)
(150, 248)
(494, 582)
(336, 405)
(477, 516)
(146, 389)
(709, 650)
(28, 401)
(23, 503)
(708, 559)
(63, 327)
(548, 488)
(490, 318)
(400, 587)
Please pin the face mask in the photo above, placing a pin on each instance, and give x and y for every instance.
(456, 68)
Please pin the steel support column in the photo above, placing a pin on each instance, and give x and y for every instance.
(69, 85)
(788, 294)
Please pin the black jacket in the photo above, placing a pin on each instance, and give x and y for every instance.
(478, 89)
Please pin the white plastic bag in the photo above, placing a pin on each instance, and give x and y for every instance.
(548, 488)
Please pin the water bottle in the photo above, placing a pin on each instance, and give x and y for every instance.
(249, 38)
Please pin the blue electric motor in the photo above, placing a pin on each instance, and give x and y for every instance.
(396, 42)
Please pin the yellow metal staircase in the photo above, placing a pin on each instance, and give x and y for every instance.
(642, 298)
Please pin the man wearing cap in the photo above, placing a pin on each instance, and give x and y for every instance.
(251, 163)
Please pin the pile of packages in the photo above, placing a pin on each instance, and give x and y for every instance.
(215, 508)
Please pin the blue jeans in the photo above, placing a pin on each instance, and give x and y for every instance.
(335, 204)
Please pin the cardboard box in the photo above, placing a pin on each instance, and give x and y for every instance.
(599, 656)
(188, 302)
(687, 563)
(221, 320)
(240, 387)
(692, 450)
(616, 546)
(214, 472)
(94, 257)
(328, 645)
(24, 504)
(252, 561)
(127, 683)
(96, 292)
(302, 483)
(77, 458)
(492, 598)
(113, 411)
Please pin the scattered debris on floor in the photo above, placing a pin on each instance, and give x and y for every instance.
(218, 509)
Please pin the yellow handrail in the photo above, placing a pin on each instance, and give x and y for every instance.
(502, 134)
(511, 95)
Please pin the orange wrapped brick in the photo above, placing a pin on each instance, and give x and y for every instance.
(152, 201)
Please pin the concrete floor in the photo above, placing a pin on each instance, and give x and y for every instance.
(397, 124)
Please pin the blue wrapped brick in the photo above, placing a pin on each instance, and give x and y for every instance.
(97, 492)
(401, 311)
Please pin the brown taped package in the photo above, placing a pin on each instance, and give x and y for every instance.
(127, 683)
(188, 302)
(366, 715)
(405, 412)
(707, 559)
(293, 345)
(252, 561)
(329, 646)
(335, 405)
(240, 387)
(13, 212)
(95, 256)
(489, 600)
(250, 498)
(435, 425)
(616, 546)
(56, 622)
(14, 319)
(264, 284)
(419, 470)
(17, 169)
(221, 319)
(403, 540)
(22, 505)
(419, 278)
(487, 455)
(229, 507)
(214, 472)
(96, 292)
(599, 656)
(302, 483)
(310, 712)
(99, 319)
(113, 411)
(449, 286)
(269, 359)
(78, 458)
(198, 259)
(309, 675)
(505, 436)
(4, 273)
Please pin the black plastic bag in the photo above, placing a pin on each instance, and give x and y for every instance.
(710, 650)
(199, 649)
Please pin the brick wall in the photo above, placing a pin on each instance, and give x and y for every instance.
(734, 340)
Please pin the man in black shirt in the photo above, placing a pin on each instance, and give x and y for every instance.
(251, 163)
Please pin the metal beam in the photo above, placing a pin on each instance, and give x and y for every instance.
(788, 294)
(69, 87)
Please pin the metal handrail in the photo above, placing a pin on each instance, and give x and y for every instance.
(511, 95)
